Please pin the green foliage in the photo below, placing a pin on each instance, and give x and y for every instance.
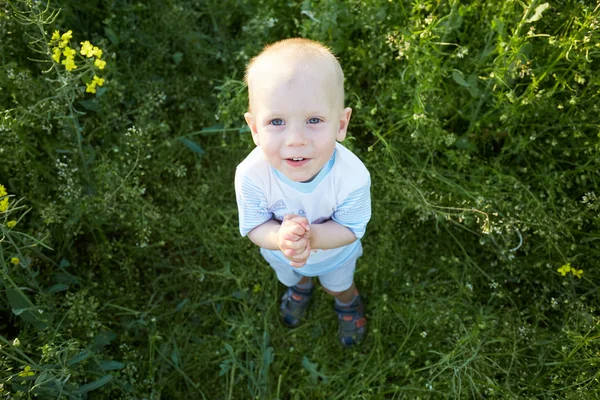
(124, 276)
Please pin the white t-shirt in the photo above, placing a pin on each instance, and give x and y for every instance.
(340, 191)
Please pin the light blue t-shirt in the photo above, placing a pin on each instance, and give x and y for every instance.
(340, 192)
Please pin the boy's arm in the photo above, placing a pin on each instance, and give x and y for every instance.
(272, 235)
(330, 235)
(266, 235)
(348, 223)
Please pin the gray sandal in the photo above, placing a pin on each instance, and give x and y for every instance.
(294, 304)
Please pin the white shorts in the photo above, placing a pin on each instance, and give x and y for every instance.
(337, 280)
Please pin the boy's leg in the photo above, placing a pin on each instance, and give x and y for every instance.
(295, 302)
(296, 299)
(348, 304)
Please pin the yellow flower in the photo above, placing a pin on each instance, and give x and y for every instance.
(56, 35)
(69, 64)
(257, 288)
(2, 191)
(100, 63)
(97, 52)
(97, 81)
(56, 54)
(15, 260)
(26, 372)
(4, 204)
(69, 52)
(564, 269)
(11, 224)
(577, 272)
(68, 35)
(90, 87)
(87, 49)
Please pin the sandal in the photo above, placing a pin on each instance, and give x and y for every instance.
(294, 304)
(352, 322)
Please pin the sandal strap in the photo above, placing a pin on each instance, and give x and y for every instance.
(294, 304)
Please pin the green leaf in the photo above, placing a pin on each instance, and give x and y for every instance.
(472, 82)
(111, 35)
(84, 355)
(195, 147)
(177, 57)
(182, 304)
(94, 385)
(103, 339)
(59, 287)
(64, 263)
(24, 308)
(459, 78)
(110, 365)
(312, 369)
(175, 358)
(91, 105)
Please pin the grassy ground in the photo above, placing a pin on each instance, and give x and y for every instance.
(123, 273)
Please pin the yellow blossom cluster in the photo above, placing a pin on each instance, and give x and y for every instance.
(91, 87)
(567, 268)
(60, 48)
(3, 199)
(88, 50)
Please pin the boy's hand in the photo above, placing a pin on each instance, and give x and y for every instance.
(294, 239)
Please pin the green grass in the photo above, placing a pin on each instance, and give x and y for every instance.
(133, 282)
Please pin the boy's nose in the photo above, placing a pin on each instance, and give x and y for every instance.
(296, 137)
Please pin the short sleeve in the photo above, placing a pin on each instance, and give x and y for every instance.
(355, 211)
(252, 204)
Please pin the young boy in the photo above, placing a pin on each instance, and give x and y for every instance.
(303, 198)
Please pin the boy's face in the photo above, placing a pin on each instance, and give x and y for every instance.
(296, 120)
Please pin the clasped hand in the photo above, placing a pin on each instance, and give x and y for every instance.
(294, 239)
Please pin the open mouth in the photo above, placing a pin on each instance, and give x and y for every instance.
(297, 161)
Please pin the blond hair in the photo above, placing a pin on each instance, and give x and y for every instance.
(303, 53)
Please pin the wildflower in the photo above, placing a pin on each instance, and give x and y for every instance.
(56, 53)
(90, 87)
(577, 272)
(26, 372)
(97, 52)
(15, 260)
(257, 288)
(56, 35)
(69, 64)
(68, 35)
(564, 269)
(4, 204)
(2, 191)
(98, 81)
(100, 63)
(11, 224)
(87, 49)
(69, 52)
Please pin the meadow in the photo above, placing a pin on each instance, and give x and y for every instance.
(123, 274)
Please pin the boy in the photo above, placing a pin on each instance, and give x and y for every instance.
(303, 198)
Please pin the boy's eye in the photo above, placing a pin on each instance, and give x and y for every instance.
(314, 120)
(276, 122)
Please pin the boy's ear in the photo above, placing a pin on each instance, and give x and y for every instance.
(344, 121)
(252, 125)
